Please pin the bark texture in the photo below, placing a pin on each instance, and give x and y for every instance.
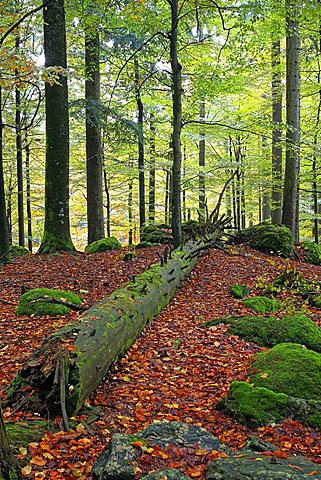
(57, 230)
(95, 215)
(88, 348)
(4, 232)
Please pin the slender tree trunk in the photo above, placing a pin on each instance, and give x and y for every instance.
(94, 162)
(242, 200)
(183, 182)
(201, 162)
(21, 228)
(315, 142)
(177, 125)
(130, 212)
(152, 171)
(56, 235)
(141, 153)
(4, 234)
(10, 192)
(167, 195)
(28, 185)
(106, 184)
(292, 165)
(276, 207)
(266, 187)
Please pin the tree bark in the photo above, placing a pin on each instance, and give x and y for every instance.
(28, 191)
(56, 235)
(141, 152)
(4, 233)
(276, 207)
(177, 125)
(292, 163)
(89, 347)
(94, 161)
(9, 469)
(201, 162)
(152, 171)
(21, 227)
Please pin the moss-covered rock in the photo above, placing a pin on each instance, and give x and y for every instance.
(269, 331)
(19, 251)
(253, 406)
(269, 238)
(313, 252)
(34, 302)
(103, 245)
(146, 244)
(239, 291)
(262, 304)
(156, 233)
(289, 368)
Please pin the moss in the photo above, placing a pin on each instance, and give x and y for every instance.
(19, 251)
(30, 305)
(289, 368)
(269, 238)
(155, 233)
(20, 434)
(262, 304)
(146, 244)
(313, 252)
(253, 406)
(52, 243)
(103, 245)
(239, 291)
(269, 331)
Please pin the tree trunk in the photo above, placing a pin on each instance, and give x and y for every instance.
(276, 207)
(130, 212)
(201, 162)
(21, 227)
(4, 234)
(292, 164)
(56, 235)
(177, 125)
(106, 184)
(94, 163)
(152, 171)
(141, 153)
(86, 349)
(28, 191)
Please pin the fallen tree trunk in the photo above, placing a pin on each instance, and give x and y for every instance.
(72, 362)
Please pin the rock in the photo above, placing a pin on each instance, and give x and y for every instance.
(103, 245)
(166, 473)
(268, 238)
(117, 460)
(250, 463)
(180, 434)
(34, 302)
(262, 304)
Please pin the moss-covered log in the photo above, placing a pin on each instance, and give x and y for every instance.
(72, 362)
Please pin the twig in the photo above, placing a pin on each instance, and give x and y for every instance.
(6, 302)
(72, 306)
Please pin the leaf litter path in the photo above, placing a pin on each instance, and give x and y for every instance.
(177, 370)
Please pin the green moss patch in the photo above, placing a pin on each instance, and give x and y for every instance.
(103, 245)
(269, 331)
(269, 238)
(253, 406)
(239, 291)
(313, 252)
(156, 233)
(34, 302)
(262, 304)
(289, 368)
(19, 251)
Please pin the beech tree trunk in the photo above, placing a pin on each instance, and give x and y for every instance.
(141, 152)
(292, 165)
(177, 125)
(85, 350)
(56, 235)
(276, 207)
(152, 171)
(4, 233)
(201, 162)
(94, 163)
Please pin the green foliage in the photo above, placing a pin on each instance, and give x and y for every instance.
(269, 238)
(156, 233)
(239, 291)
(270, 331)
(191, 229)
(34, 303)
(289, 368)
(103, 245)
(262, 304)
(146, 245)
(129, 256)
(313, 252)
(18, 251)
(253, 406)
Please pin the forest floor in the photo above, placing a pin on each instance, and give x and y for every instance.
(176, 370)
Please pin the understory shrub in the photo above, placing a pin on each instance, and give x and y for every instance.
(313, 252)
(269, 238)
(103, 245)
(19, 251)
(33, 302)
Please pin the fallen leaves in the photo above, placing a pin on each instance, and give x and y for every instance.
(176, 370)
